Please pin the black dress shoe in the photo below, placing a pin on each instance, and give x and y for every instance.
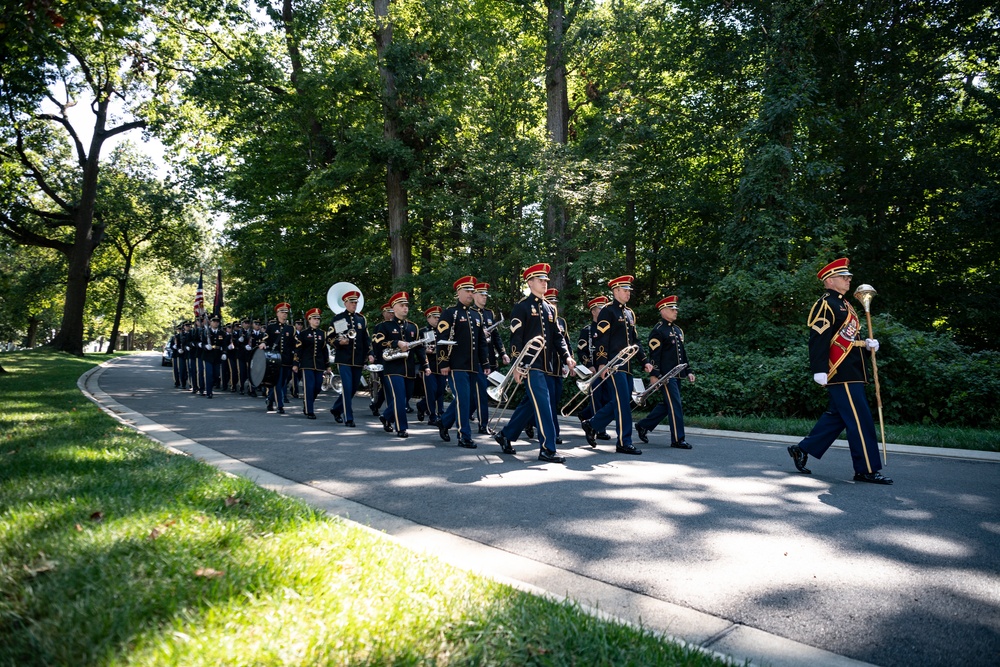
(177, 386)
(420, 415)
(679, 445)
(434, 422)
(371, 406)
(550, 456)
(559, 441)
(349, 422)
(628, 449)
(799, 457)
(871, 478)
(337, 416)
(409, 410)
(467, 444)
(209, 396)
(642, 431)
(443, 432)
(483, 430)
(402, 434)
(504, 443)
(603, 435)
(386, 426)
(529, 432)
(270, 407)
(588, 431)
(253, 393)
(281, 411)
(310, 415)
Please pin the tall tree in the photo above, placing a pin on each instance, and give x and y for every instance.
(96, 54)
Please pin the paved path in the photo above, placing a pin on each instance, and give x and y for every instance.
(724, 545)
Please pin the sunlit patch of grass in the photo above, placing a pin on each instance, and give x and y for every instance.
(115, 552)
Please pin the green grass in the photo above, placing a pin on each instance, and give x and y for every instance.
(115, 552)
(908, 434)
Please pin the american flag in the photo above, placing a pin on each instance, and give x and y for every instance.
(199, 298)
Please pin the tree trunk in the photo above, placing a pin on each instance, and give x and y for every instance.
(32, 337)
(630, 253)
(122, 284)
(87, 237)
(557, 124)
(400, 243)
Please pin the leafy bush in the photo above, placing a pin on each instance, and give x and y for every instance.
(924, 378)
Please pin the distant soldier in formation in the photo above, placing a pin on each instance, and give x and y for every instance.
(311, 357)
(280, 337)
(352, 349)
(432, 404)
(177, 358)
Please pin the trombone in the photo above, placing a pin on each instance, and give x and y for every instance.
(504, 392)
(640, 397)
(588, 387)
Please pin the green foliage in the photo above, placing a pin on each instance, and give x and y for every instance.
(925, 378)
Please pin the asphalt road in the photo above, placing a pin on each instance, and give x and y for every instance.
(897, 575)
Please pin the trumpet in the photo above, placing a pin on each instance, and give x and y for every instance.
(588, 387)
(332, 382)
(640, 397)
(505, 390)
(392, 355)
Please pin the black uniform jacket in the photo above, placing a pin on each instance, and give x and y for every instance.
(825, 319)
(431, 353)
(388, 336)
(218, 343)
(666, 348)
(494, 341)
(311, 352)
(615, 332)
(281, 338)
(463, 325)
(586, 345)
(530, 317)
(356, 352)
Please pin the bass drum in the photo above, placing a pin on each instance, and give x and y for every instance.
(265, 368)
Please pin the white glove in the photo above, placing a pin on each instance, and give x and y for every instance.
(187, 347)
(820, 379)
(248, 347)
(872, 344)
(223, 356)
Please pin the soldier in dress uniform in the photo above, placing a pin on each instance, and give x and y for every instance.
(615, 332)
(199, 339)
(461, 361)
(296, 377)
(497, 353)
(432, 404)
(244, 348)
(836, 358)
(397, 335)
(533, 316)
(311, 357)
(586, 350)
(177, 359)
(666, 351)
(228, 376)
(351, 353)
(257, 336)
(556, 376)
(216, 342)
(280, 337)
(379, 398)
(191, 349)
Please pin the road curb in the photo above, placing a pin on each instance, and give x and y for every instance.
(737, 643)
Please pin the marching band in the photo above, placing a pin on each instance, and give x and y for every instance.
(460, 349)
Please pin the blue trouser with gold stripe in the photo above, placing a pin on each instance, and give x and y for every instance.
(618, 409)
(395, 394)
(463, 384)
(536, 407)
(350, 379)
(848, 409)
(669, 406)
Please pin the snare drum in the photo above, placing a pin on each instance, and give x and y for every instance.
(374, 368)
(265, 368)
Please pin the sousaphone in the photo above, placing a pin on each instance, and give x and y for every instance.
(335, 297)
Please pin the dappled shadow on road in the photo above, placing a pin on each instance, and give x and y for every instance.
(727, 528)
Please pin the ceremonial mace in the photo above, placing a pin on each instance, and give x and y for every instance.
(864, 294)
